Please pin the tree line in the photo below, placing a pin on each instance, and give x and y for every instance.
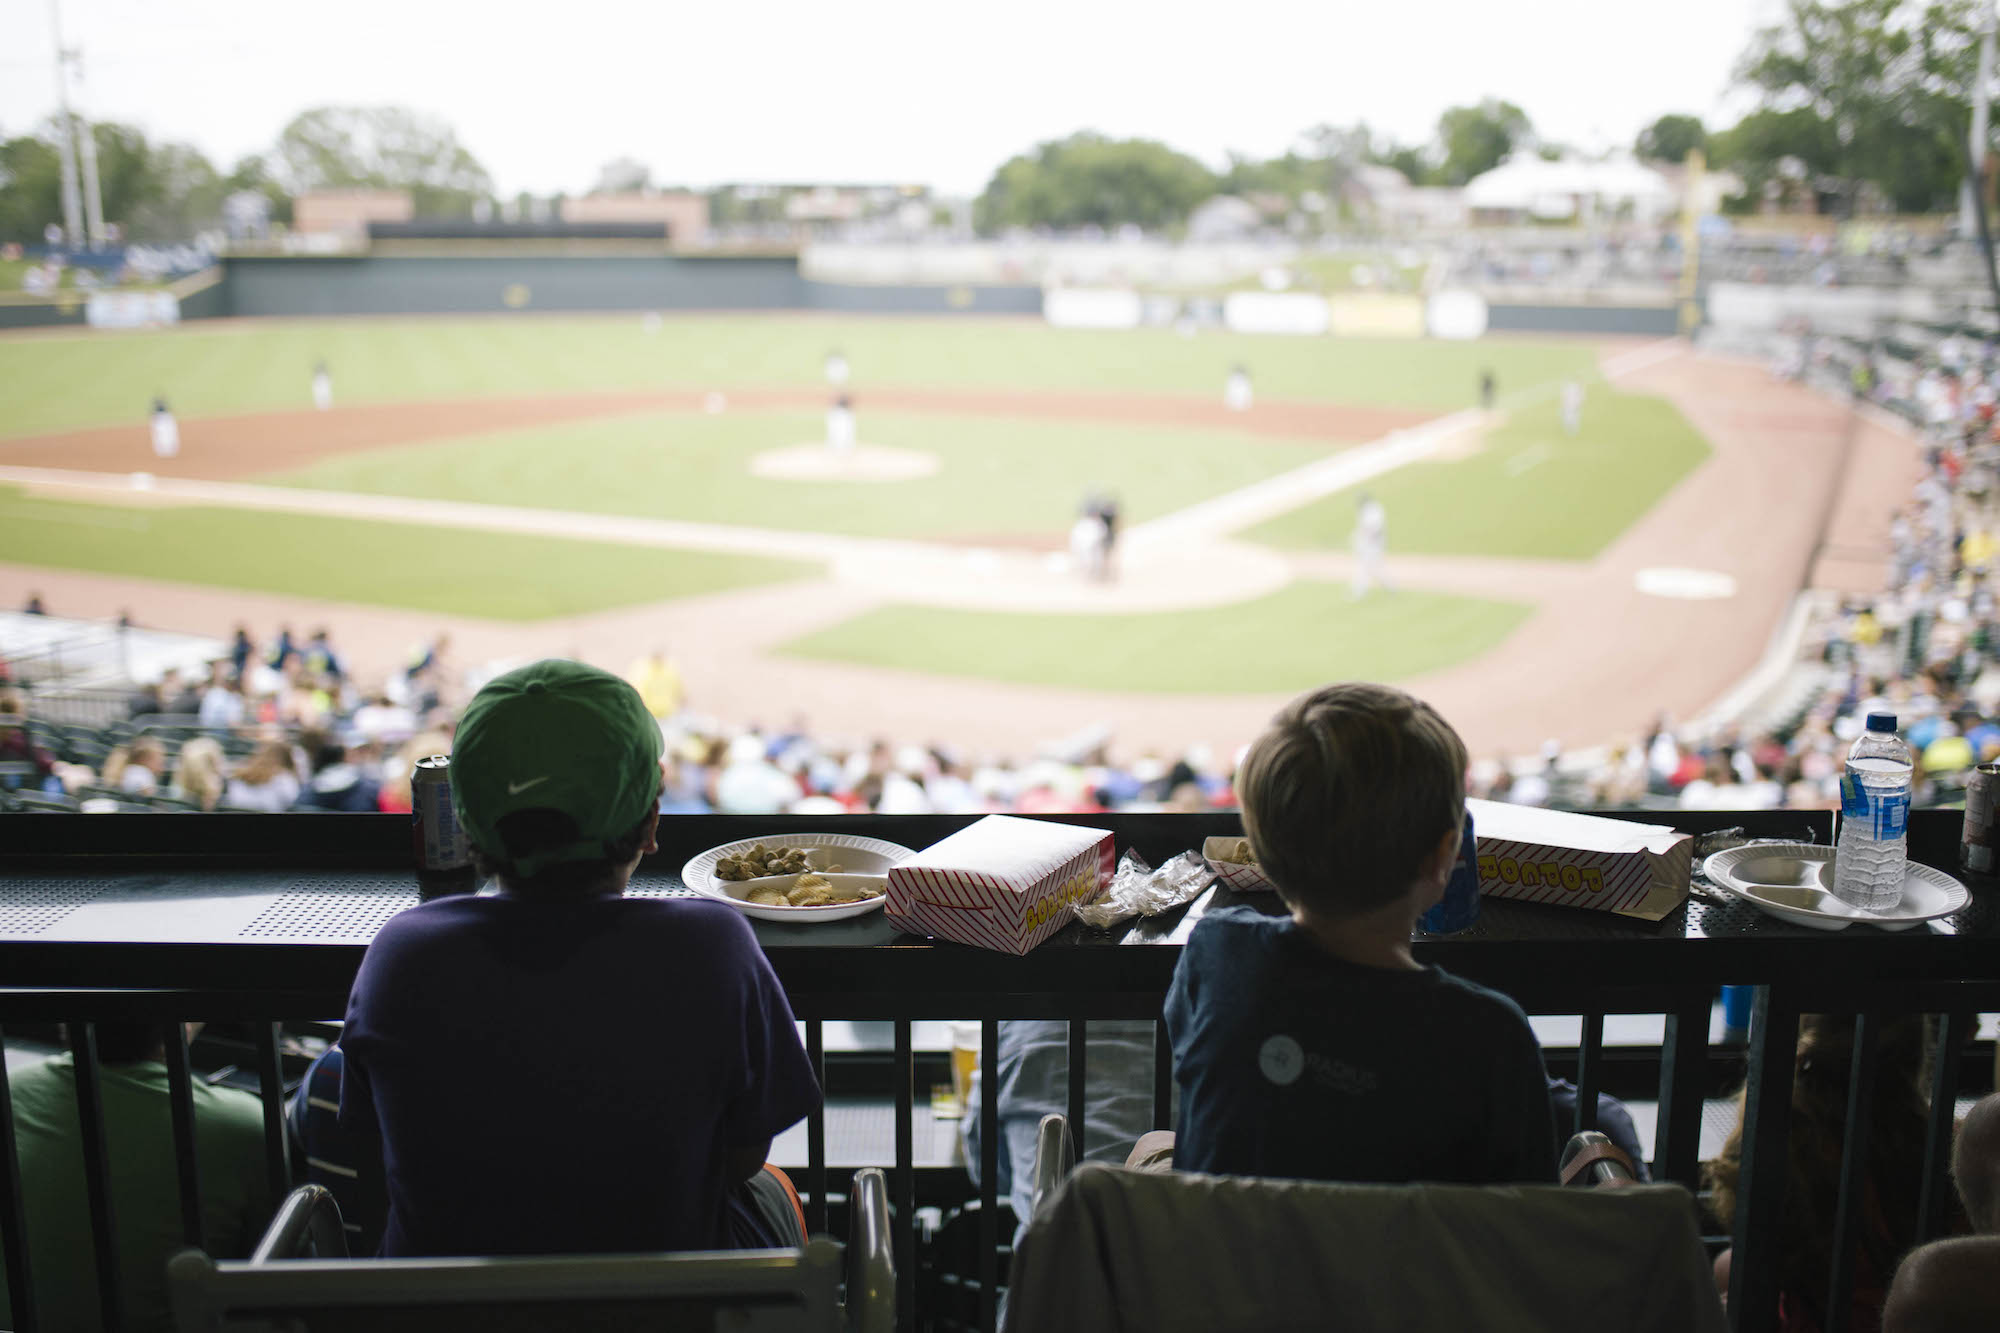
(169, 191)
(1857, 101)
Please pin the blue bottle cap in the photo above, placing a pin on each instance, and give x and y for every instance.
(1881, 722)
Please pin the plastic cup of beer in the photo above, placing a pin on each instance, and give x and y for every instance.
(964, 1059)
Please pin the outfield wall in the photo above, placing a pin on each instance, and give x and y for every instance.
(1654, 321)
(398, 285)
(402, 284)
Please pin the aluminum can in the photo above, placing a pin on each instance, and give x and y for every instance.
(1459, 907)
(440, 843)
(1979, 841)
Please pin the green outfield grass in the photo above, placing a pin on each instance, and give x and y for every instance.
(1533, 491)
(998, 476)
(1300, 636)
(57, 382)
(500, 576)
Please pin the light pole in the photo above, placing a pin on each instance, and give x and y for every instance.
(1968, 189)
(93, 196)
(72, 203)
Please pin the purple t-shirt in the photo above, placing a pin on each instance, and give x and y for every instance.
(562, 1077)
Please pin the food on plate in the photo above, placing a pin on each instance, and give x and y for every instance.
(1241, 853)
(810, 891)
(813, 891)
(761, 861)
(766, 895)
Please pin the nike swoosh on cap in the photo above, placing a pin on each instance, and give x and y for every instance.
(516, 788)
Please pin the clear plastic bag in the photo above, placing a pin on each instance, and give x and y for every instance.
(1139, 890)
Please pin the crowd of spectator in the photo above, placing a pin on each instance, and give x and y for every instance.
(1926, 648)
(285, 724)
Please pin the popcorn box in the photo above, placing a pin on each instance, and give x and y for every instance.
(1003, 883)
(1554, 856)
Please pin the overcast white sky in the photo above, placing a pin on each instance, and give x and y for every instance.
(879, 90)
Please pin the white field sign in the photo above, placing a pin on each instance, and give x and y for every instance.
(1092, 308)
(1276, 312)
(131, 310)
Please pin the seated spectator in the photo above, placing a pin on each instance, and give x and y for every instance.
(138, 767)
(313, 1115)
(17, 747)
(614, 1128)
(400, 768)
(178, 696)
(1314, 1045)
(338, 784)
(222, 702)
(145, 1181)
(658, 681)
(1953, 1286)
(1804, 1241)
(266, 781)
(283, 650)
(320, 658)
(241, 650)
(198, 773)
(1948, 1286)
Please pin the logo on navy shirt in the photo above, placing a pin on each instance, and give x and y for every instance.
(1281, 1059)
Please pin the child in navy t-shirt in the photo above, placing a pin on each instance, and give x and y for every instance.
(1314, 1045)
(560, 1068)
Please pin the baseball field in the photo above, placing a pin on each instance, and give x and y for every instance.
(602, 485)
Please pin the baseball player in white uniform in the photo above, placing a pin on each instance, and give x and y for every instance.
(322, 387)
(1371, 542)
(840, 426)
(1236, 390)
(836, 369)
(166, 431)
(1572, 407)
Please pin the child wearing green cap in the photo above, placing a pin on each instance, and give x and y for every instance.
(559, 1068)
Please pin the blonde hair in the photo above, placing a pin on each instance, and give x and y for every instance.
(198, 771)
(270, 759)
(1347, 791)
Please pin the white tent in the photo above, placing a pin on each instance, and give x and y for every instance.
(1526, 184)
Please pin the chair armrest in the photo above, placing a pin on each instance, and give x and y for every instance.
(871, 1256)
(1589, 1159)
(1055, 1157)
(308, 1215)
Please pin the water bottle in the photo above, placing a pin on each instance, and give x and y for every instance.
(1874, 814)
(1459, 907)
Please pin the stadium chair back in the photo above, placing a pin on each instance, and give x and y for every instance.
(758, 1291)
(1170, 1252)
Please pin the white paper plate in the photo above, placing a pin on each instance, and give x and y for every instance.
(855, 855)
(1238, 875)
(1788, 881)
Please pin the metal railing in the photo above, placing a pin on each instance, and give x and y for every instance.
(1551, 962)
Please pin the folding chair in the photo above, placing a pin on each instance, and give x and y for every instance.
(757, 1291)
(1174, 1252)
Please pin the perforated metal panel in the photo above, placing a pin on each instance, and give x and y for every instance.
(350, 908)
(658, 886)
(1734, 917)
(33, 904)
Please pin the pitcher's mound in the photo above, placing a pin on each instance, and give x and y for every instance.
(864, 462)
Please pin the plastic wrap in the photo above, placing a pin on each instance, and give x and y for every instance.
(1139, 890)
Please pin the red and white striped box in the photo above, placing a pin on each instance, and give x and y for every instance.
(1572, 860)
(1003, 883)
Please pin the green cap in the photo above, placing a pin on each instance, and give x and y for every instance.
(557, 735)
